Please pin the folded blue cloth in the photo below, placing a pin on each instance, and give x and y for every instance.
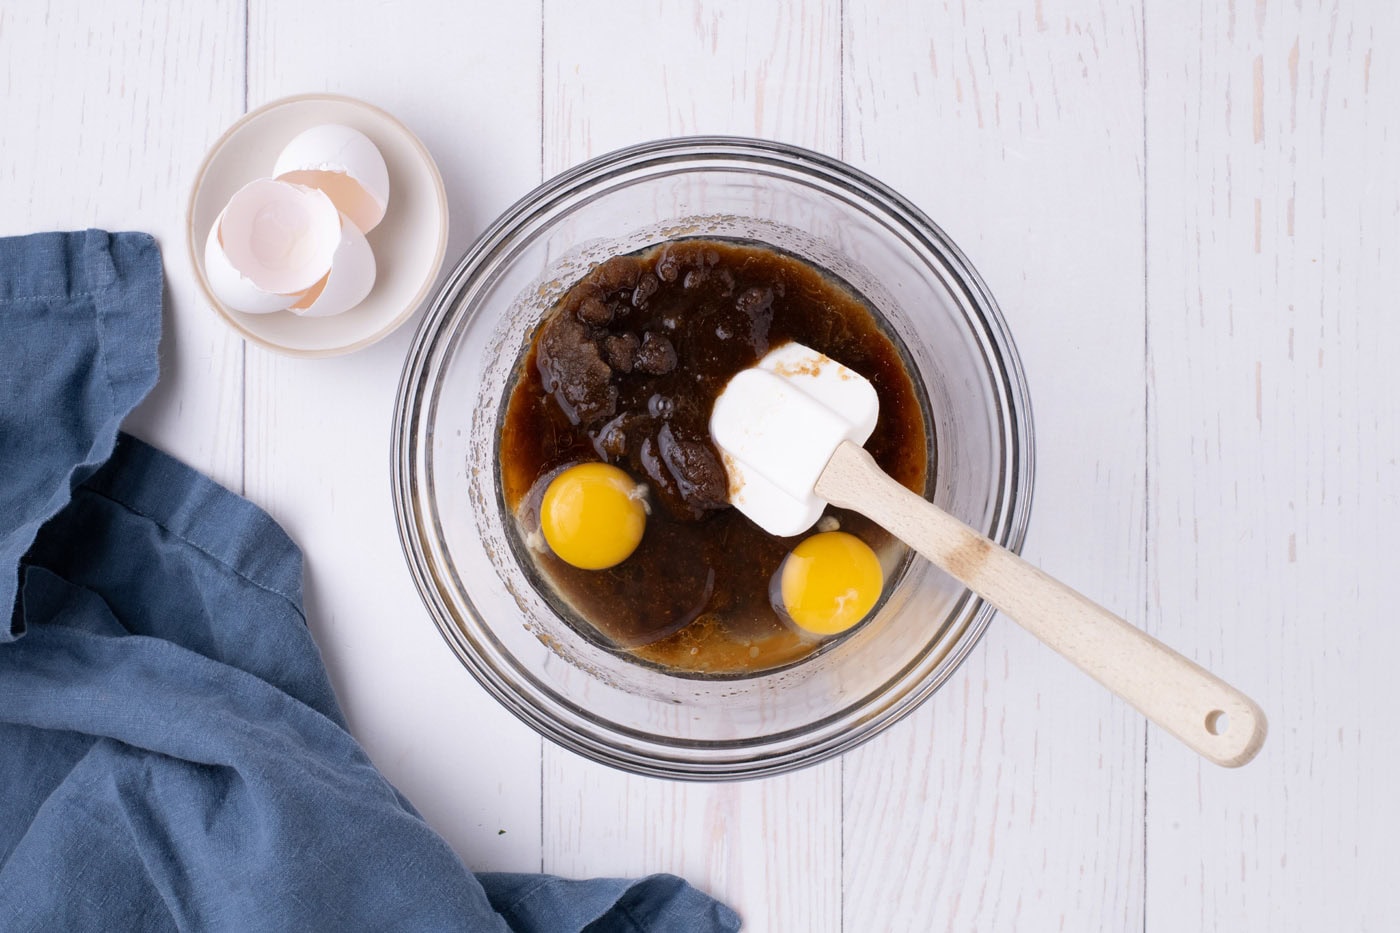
(172, 756)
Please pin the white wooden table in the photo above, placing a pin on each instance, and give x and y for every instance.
(1190, 214)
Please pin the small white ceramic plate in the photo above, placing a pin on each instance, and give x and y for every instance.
(408, 244)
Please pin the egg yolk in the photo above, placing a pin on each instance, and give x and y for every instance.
(592, 516)
(830, 582)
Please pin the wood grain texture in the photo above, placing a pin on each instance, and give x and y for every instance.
(1274, 222)
(668, 68)
(770, 848)
(1013, 799)
(465, 78)
(105, 113)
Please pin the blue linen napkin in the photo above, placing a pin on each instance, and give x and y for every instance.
(172, 756)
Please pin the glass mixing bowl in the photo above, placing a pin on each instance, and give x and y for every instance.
(458, 540)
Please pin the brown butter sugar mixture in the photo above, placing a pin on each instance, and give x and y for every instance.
(625, 369)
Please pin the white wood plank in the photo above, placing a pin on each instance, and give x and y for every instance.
(465, 78)
(1013, 799)
(106, 111)
(771, 848)
(670, 69)
(1274, 222)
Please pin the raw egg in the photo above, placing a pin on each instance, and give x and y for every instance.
(829, 582)
(593, 516)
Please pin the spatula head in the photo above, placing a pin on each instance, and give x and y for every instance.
(778, 423)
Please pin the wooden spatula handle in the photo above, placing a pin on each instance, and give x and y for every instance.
(1200, 709)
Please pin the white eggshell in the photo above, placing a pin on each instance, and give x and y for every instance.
(280, 236)
(345, 164)
(232, 287)
(348, 283)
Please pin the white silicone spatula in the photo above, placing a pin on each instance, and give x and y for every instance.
(791, 430)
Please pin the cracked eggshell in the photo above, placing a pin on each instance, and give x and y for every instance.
(349, 281)
(271, 243)
(230, 285)
(345, 164)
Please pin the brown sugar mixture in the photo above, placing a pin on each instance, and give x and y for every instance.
(625, 369)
